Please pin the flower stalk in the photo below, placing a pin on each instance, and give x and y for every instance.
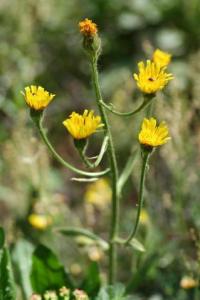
(114, 174)
(146, 103)
(145, 158)
(37, 118)
(99, 157)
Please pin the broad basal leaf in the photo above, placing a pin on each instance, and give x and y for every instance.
(47, 272)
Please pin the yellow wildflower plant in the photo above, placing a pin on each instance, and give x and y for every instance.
(152, 77)
(161, 58)
(153, 135)
(82, 126)
(37, 97)
(40, 222)
(87, 27)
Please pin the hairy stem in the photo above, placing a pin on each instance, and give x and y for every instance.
(141, 195)
(147, 101)
(114, 175)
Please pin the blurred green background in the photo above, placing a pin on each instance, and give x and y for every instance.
(40, 44)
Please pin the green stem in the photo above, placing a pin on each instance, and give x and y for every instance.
(141, 195)
(114, 176)
(38, 123)
(99, 157)
(150, 109)
(145, 103)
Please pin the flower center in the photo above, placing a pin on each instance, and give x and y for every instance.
(151, 79)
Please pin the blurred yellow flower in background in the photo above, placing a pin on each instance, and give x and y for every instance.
(144, 217)
(188, 282)
(87, 27)
(76, 269)
(153, 135)
(82, 126)
(152, 77)
(98, 194)
(36, 97)
(161, 58)
(95, 253)
(40, 222)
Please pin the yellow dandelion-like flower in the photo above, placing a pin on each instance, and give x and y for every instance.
(152, 77)
(153, 135)
(36, 97)
(88, 28)
(188, 282)
(161, 58)
(82, 126)
(40, 222)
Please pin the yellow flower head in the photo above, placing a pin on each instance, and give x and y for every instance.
(82, 126)
(188, 282)
(152, 135)
(161, 58)
(36, 97)
(152, 77)
(88, 28)
(40, 222)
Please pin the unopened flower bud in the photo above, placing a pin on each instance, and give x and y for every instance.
(91, 40)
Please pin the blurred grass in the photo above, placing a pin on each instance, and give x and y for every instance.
(40, 43)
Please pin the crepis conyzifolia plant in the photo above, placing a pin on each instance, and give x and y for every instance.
(152, 77)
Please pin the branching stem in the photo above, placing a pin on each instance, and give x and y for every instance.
(38, 123)
(114, 175)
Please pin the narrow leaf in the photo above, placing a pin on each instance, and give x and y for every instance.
(127, 170)
(134, 243)
(77, 232)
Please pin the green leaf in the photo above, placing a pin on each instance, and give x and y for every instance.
(47, 272)
(22, 257)
(116, 292)
(7, 285)
(2, 237)
(127, 170)
(92, 281)
(134, 243)
(78, 232)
